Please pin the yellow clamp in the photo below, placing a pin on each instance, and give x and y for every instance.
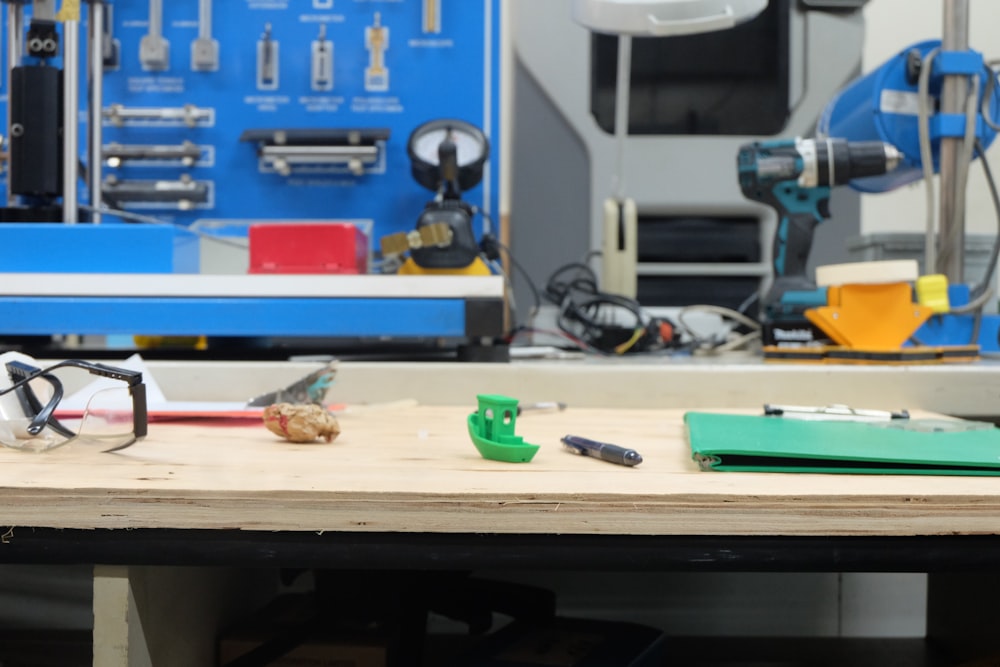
(932, 291)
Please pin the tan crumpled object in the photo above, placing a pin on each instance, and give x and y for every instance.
(301, 423)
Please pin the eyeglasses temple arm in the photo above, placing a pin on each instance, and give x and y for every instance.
(140, 417)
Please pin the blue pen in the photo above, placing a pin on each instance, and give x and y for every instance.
(602, 450)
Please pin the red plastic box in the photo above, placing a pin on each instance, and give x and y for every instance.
(335, 247)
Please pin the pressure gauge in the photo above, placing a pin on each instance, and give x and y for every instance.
(464, 141)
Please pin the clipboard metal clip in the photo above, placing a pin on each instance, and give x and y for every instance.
(832, 412)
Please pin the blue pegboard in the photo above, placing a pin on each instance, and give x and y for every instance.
(59, 248)
(453, 73)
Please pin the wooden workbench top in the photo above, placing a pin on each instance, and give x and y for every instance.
(414, 468)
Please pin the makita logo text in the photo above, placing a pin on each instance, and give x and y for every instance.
(793, 334)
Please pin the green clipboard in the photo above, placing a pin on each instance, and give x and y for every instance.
(749, 443)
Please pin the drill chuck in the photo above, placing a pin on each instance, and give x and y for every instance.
(838, 161)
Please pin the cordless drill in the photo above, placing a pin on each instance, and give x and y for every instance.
(794, 177)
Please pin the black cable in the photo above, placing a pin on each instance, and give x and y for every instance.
(995, 196)
(583, 308)
(984, 284)
(109, 201)
(536, 295)
(984, 108)
(491, 229)
(977, 324)
(557, 291)
(490, 244)
(749, 301)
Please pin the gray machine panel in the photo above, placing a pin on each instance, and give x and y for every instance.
(565, 163)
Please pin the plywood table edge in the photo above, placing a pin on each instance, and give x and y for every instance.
(605, 514)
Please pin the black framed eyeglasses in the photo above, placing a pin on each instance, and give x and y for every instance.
(114, 418)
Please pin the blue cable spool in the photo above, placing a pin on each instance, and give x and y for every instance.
(883, 106)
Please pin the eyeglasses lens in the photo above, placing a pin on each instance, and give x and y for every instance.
(106, 422)
(108, 419)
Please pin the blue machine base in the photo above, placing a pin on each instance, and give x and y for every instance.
(115, 249)
(958, 330)
(183, 316)
(107, 248)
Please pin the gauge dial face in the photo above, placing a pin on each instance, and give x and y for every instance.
(470, 147)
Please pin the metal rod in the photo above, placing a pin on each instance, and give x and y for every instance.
(71, 119)
(95, 120)
(156, 18)
(205, 19)
(951, 259)
(15, 47)
(622, 95)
